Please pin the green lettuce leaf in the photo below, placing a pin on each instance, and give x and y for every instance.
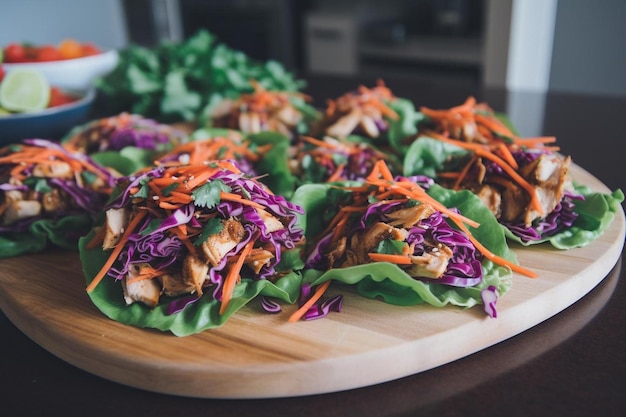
(201, 315)
(388, 281)
(41, 234)
(128, 160)
(406, 125)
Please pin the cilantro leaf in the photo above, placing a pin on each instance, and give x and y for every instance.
(391, 247)
(143, 190)
(212, 226)
(208, 195)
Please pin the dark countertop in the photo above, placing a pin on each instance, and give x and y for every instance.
(573, 364)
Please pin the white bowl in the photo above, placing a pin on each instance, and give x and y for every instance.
(73, 74)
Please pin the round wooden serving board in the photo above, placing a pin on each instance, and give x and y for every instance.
(259, 355)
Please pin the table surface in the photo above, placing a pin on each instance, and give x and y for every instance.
(572, 364)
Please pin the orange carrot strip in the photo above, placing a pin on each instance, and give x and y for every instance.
(232, 277)
(534, 200)
(182, 235)
(116, 250)
(317, 142)
(337, 174)
(386, 257)
(493, 257)
(464, 171)
(507, 155)
(297, 315)
(237, 198)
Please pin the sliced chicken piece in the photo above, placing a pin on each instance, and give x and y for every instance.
(272, 224)
(337, 252)
(116, 222)
(409, 216)
(195, 271)
(249, 122)
(369, 126)
(146, 291)
(366, 241)
(17, 210)
(53, 201)
(289, 115)
(258, 258)
(174, 285)
(345, 125)
(549, 175)
(431, 264)
(218, 245)
(491, 198)
(53, 169)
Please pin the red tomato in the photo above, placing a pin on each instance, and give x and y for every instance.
(90, 49)
(1, 73)
(48, 53)
(59, 98)
(14, 52)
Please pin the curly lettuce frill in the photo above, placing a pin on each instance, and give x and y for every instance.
(388, 281)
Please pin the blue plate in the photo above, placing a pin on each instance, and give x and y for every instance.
(50, 123)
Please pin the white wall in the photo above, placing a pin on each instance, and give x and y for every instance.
(589, 53)
(51, 21)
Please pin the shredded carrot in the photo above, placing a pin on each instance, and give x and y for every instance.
(233, 276)
(464, 172)
(385, 257)
(337, 174)
(495, 258)
(116, 250)
(319, 291)
(483, 152)
(239, 199)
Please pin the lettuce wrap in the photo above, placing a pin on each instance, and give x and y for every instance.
(577, 218)
(333, 242)
(48, 196)
(182, 248)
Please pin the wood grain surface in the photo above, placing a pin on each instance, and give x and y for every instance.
(257, 355)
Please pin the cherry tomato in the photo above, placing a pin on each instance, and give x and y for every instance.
(70, 49)
(58, 97)
(1, 73)
(90, 49)
(48, 53)
(14, 52)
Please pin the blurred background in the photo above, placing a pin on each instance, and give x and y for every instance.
(540, 45)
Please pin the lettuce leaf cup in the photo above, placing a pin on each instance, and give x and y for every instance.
(125, 142)
(181, 249)
(391, 239)
(374, 114)
(569, 215)
(48, 196)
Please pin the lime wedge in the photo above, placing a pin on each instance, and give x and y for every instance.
(23, 90)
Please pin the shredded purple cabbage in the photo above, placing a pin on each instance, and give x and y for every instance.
(117, 132)
(489, 297)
